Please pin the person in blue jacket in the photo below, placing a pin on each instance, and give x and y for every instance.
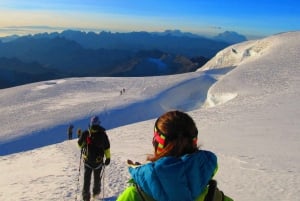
(178, 170)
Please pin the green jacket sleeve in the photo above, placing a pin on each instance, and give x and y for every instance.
(219, 196)
(131, 193)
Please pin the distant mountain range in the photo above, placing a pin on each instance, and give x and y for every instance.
(230, 37)
(72, 53)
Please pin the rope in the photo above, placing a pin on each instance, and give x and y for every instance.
(96, 168)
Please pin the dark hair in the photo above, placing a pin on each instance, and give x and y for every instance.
(179, 133)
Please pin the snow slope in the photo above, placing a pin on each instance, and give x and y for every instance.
(245, 102)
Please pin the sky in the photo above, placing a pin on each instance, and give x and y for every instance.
(245, 104)
(208, 18)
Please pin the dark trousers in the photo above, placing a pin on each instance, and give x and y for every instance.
(88, 170)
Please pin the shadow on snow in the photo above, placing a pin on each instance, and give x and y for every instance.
(186, 96)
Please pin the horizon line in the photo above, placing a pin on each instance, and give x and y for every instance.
(9, 31)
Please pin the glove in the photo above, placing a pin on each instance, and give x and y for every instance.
(131, 163)
(107, 161)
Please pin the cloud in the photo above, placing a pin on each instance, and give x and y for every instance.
(26, 30)
(215, 27)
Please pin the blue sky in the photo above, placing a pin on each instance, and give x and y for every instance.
(210, 17)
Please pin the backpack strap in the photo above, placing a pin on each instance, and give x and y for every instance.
(214, 194)
(140, 192)
(212, 185)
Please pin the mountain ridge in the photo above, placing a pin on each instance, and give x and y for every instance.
(80, 54)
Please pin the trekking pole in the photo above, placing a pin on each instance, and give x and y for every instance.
(102, 178)
(77, 188)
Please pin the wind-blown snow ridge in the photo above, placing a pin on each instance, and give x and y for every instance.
(48, 84)
(218, 99)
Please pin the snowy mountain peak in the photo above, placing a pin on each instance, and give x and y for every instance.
(241, 53)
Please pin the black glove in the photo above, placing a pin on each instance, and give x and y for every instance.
(107, 161)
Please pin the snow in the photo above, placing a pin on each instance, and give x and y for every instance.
(245, 102)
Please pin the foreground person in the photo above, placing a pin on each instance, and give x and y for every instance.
(178, 170)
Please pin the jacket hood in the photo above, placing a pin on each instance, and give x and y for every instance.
(176, 179)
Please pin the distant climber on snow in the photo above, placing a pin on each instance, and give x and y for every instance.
(70, 132)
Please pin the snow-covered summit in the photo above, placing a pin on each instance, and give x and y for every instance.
(248, 51)
(260, 67)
